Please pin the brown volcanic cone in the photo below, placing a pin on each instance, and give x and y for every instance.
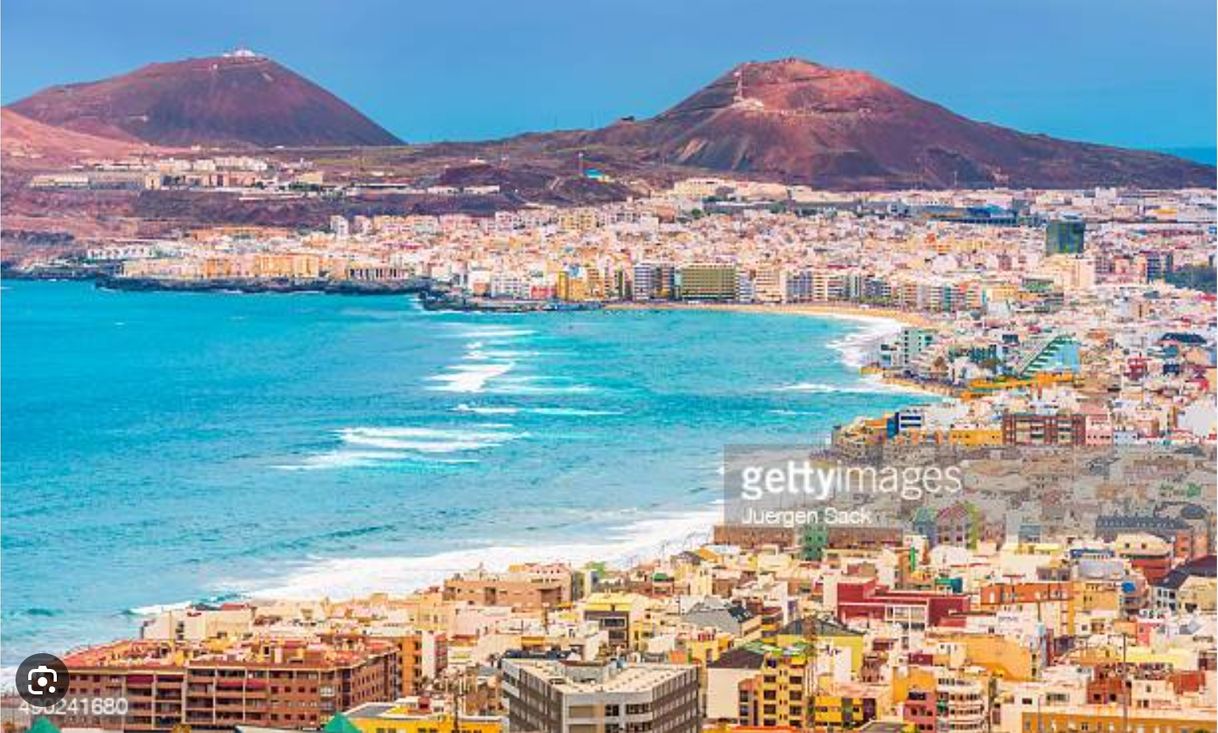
(847, 129)
(220, 101)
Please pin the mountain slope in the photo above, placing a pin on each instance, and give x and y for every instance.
(233, 100)
(28, 143)
(847, 129)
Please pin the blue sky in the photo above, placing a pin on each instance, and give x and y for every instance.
(1139, 73)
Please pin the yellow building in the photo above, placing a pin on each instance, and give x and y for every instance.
(621, 615)
(413, 715)
(571, 287)
(1109, 719)
(708, 282)
(783, 694)
(778, 695)
(975, 437)
(1002, 657)
(297, 266)
(833, 639)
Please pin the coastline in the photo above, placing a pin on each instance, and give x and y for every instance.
(352, 577)
(883, 322)
(263, 285)
(829, 310)
(638, 537)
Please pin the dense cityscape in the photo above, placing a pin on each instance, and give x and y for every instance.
(641, 374)
(1032, 319)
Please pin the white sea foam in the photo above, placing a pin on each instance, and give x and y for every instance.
(870, 384)
(858, 347)
(481, 354)
(469, 378)
(571, 412)
(364, 447)
(812, 387)
(538, 385)
(351, 577)
(160, 608)
(494, 332)
(426, 440)
(548, 411)
(486, 410)
(344, 458)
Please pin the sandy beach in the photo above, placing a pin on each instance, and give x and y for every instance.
(801, 309)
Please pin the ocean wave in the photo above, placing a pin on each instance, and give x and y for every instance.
(547, 411)
(665, 533)
(34, 611)
(336, 459)
(426, 440)
(494, 332)
(486, 410)
(571, 412)
(872, 384)
(539, 385)
(339, 459)
(157, 608)
(482, 354)
(812, 387)
(469, 377)
(370, 447)
(858, 347)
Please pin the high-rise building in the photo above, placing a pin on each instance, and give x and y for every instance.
(708, 282)
(653, 282)
(1065, 237)
(571, 697)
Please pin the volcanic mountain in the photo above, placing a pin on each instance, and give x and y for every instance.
(834, 128)
(27, 143)
(233, 100)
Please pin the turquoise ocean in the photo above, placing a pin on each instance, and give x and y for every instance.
(167, 448)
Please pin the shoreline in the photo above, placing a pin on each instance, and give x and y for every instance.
(829, 310)
(636, 541)
(262, 285)
(344, 578)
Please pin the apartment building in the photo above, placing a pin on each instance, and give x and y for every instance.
(617, 697)
(1029, 429)
(708, 283)
(418, 715)
(274, 683)
(524, 588)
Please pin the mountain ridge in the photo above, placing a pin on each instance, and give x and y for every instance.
(790, 119)
(814, 124)
(236, 100)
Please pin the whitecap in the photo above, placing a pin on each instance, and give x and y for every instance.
(494, 332)
(337, 459)
(469, 377)
(486, 410)
(159, 608)
(425, 440)
(571, 412)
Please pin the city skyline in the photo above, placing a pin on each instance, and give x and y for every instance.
(1068, 72)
